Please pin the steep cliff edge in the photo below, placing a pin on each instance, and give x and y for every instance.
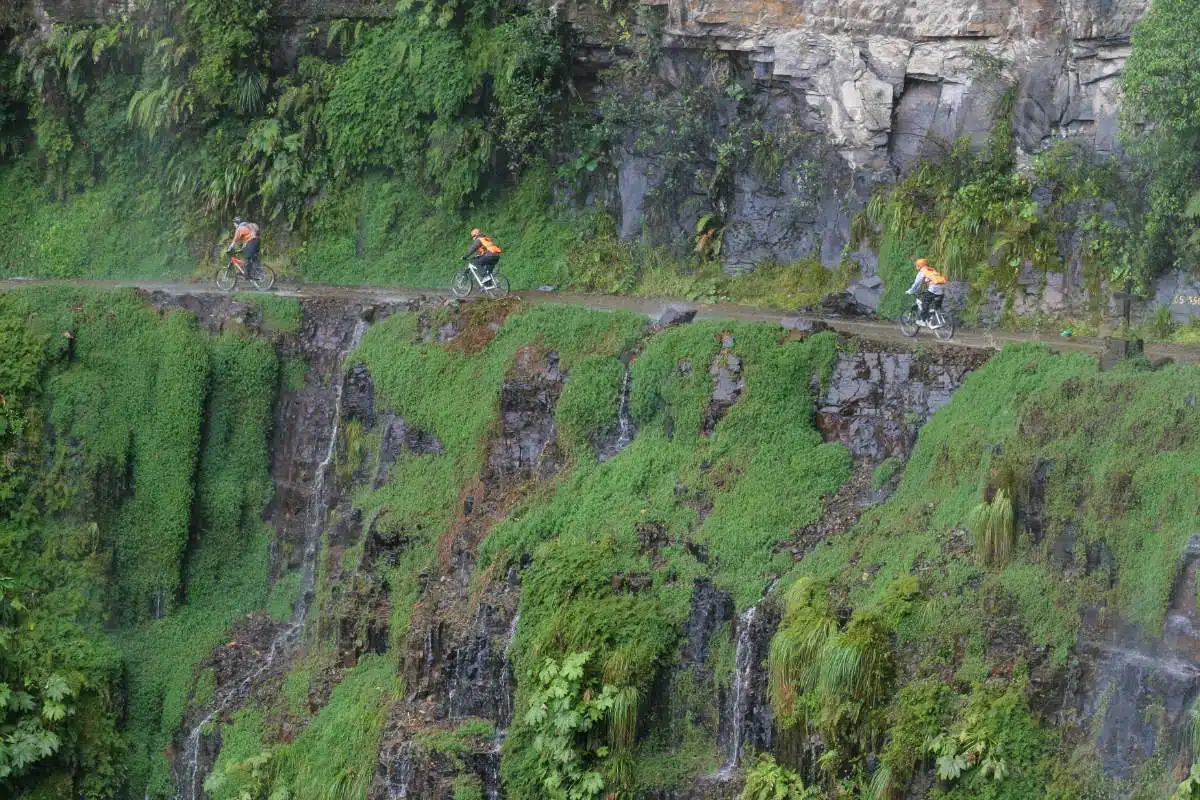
(483, 512)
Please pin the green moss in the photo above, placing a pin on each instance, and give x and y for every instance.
(468, 787)
(187, 417)
(296, 687)
(613, 551)
(278, 314)
(589, 401)
(240, 740)
(294, 373)
(467, 737)
(336, 754)
(1113, 448)
(118, 229)
(884, 472)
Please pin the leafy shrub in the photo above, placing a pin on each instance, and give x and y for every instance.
(767, 780)
(563, 711)
(824, 677)
(57, 674)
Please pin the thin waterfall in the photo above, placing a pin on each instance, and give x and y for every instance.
(286, 639)
(625, 427)
(624, 423)
(740, 689)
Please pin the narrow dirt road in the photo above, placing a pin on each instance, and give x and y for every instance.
(873, 329)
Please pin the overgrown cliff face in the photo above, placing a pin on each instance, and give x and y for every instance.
(514, 549)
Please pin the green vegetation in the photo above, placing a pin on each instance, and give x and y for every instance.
(1048, 442)
(562, 712)
(155, 432)
(1163, 124)
(57, 715)
(991, 524)
(335, 756)
(136, 477)
(333, 759)
(828, 679)
(883, 473)
(614, 548)
(278, 314)
(767, 780)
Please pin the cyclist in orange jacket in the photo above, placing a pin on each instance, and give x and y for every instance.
(929, 297)
(484, 253)
(245, 235)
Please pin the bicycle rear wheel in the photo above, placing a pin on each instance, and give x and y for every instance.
(498, 288)
(461, 284)
(227, 278)
(908, 322)
(264, 278)
(944, 330)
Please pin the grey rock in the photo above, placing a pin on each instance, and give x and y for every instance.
(876, 402)
(1179, 292)
(867, 296)
(675, 314)
(803, 325)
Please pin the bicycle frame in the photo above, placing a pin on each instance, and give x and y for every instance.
(478, 280)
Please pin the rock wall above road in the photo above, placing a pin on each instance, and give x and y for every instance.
(894, 80)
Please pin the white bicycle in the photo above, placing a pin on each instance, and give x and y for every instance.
(941, 323)
(494, 286)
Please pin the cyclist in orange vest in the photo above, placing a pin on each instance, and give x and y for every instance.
(245, 234)
(929, 297)
(484, 254)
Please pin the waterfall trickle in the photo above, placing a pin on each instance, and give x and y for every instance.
(740, 689)
(624, 423)
(491, 783)
(191, 788)
(749, 713)
(506, 679)
(625, 427)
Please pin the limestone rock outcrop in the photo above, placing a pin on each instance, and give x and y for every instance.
(894, 80)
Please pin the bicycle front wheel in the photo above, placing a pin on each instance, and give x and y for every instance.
(908, 323)
(945, 328)
(498, 288)
(461, 285)
(264, 279)
(227, 278)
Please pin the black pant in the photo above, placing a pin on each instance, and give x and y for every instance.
(485, 264)
(250, 256)
(927, 301)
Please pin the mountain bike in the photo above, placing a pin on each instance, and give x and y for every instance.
(494, 286)
(940, 322)
(228, 276)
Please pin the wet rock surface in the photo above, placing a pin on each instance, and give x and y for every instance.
(303, 441)
(1134, 690)
(728, 383)
(841, 511)
(456, 660)
(878, 396)
(675, 314)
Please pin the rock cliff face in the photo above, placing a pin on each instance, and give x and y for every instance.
(878, 396)
(893, 80)
(877, 86)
